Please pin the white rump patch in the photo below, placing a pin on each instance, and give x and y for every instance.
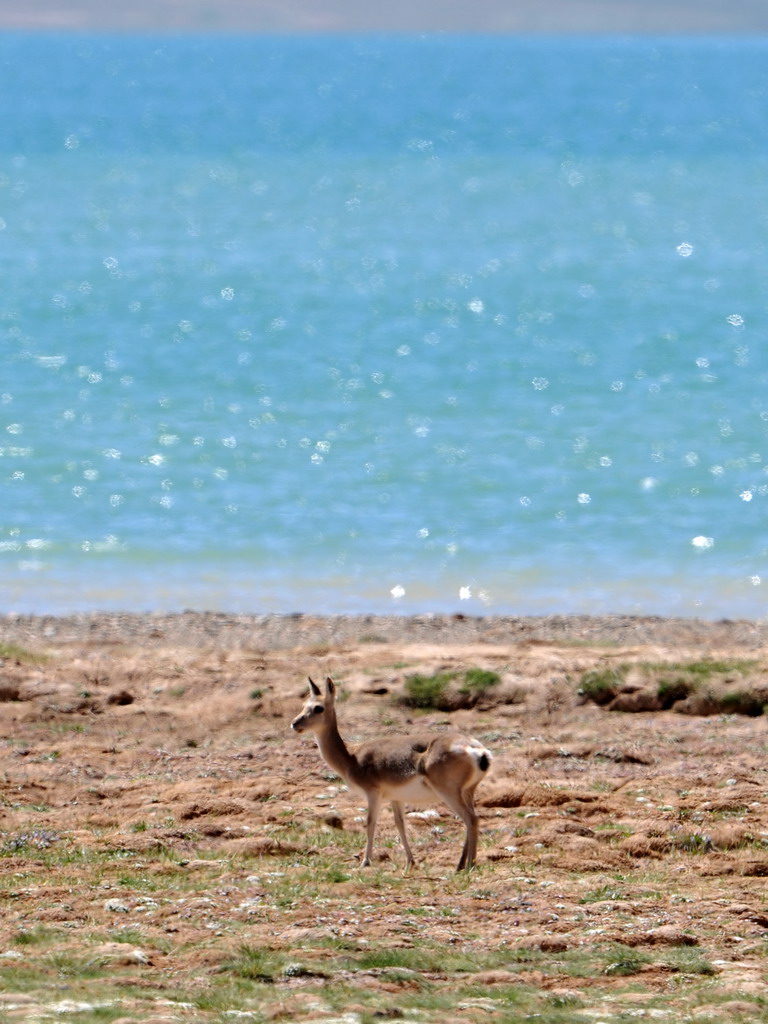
(461, 748)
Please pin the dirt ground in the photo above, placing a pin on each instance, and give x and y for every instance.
(155, 810)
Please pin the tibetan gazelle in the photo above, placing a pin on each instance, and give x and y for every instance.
(420, 769)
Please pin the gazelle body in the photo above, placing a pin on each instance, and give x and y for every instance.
(420, 770)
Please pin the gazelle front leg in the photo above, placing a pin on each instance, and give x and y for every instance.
(397, 810)
(374, 806)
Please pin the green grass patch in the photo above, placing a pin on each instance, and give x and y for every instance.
(63, 963)
(100, 1015)
(670, 691)
(257, 964)
(602, 894)
(129, 935)
(13, 652)
(478, 680)
(35, 936)
(623, 961)
(707, 668)
(447, 691)
(689, 960)
(428, 691)
(601, 685)
(409, 959)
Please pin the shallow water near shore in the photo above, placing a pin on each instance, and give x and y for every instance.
(370, 325)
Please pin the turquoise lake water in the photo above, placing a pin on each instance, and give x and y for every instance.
(400, 324)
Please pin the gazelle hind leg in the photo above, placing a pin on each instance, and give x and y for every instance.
(397, 810)
(463, 805)
(473, 831)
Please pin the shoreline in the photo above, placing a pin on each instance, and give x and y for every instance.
(577, 17)
(287, 631)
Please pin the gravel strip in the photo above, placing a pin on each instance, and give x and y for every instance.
(285, 632)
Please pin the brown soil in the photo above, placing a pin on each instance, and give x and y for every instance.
(166, 738)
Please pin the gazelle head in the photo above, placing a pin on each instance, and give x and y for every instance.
(318, 709)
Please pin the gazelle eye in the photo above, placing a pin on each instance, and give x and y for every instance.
(318, 709)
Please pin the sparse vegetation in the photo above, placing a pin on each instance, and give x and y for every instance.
(701, 687)
(742, 702)
(695, 842)
(36, 840)
(116, 904)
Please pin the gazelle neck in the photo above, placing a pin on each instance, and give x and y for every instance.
(334, 750)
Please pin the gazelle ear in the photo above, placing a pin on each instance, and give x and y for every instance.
(330, 688)
(313, 689)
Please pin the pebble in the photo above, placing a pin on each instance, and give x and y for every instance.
(114, 906)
